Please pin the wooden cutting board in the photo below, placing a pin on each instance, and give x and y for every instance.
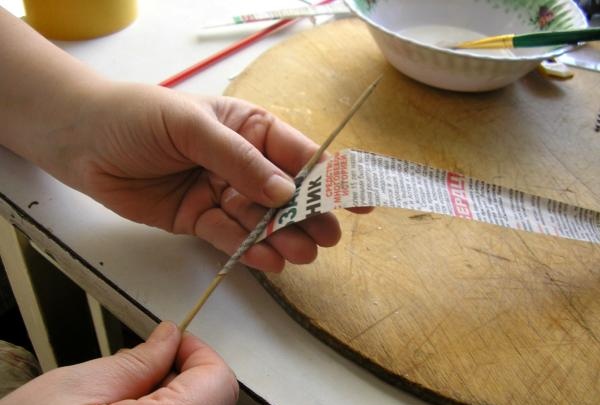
(452, 310)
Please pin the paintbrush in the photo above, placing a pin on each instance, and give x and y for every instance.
(548, 38)
(230, 50)
(260, 227)
(308, 11)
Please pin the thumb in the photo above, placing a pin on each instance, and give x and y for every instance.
(133, 373)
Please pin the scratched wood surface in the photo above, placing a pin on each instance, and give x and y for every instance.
(453, 310)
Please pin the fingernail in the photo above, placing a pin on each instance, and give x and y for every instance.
(279, 189)
(163, 331)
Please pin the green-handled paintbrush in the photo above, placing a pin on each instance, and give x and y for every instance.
(531, 40)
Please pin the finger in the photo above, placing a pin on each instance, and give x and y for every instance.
(132, 373)
(284, 145)
(294, 245)
(167, 380)
(204, 378)
(214, 146)
(196, 359)
(324, 229)
(200, 196)
(193, 352)
(287, 147)
(226, 234)
(240, 208)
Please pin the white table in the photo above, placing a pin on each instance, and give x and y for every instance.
(143, 274)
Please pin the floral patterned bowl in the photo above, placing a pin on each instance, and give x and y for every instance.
(416, 35)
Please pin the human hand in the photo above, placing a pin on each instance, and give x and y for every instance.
(205, 166)
(166, 369)
(191, 165)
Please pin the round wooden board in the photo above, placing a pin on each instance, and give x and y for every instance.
(453, 310)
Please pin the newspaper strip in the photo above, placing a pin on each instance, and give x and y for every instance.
(353, 178)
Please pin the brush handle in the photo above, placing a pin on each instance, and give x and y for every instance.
(230, 50)
(556, 37)
(309, 11)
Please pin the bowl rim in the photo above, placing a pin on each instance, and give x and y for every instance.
(351, 4)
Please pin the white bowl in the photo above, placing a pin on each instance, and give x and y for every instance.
(415, 36)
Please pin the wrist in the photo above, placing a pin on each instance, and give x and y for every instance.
(43, 90)
(49, 135)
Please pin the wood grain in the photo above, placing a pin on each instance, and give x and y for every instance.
(453, 310)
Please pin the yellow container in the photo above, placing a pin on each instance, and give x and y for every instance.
(79, 19)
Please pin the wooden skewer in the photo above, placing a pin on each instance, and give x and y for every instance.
(260, 227)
